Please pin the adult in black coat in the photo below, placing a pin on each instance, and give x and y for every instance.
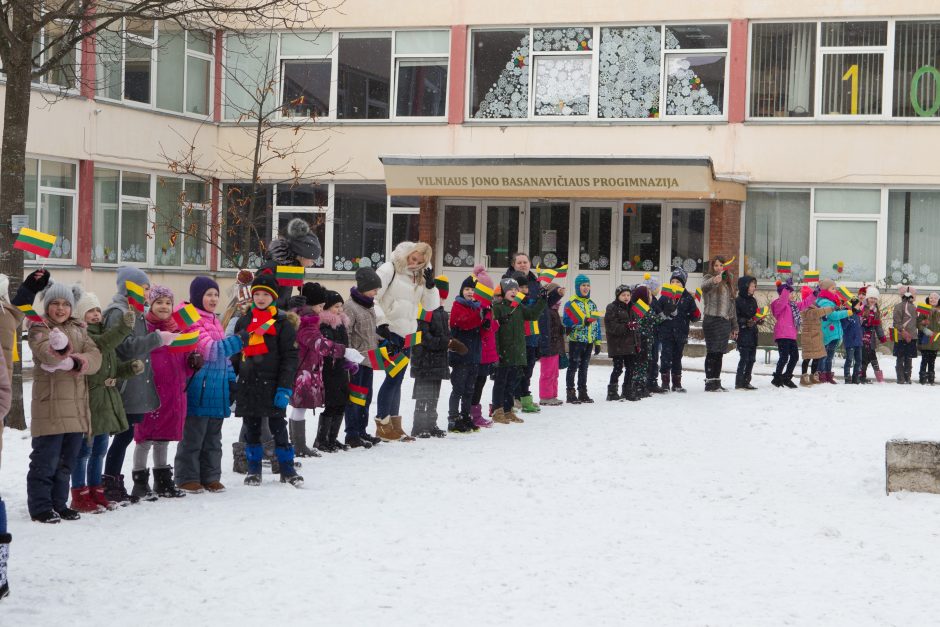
(622, 343)
(673, 331)
(746, 307)
(297, 245)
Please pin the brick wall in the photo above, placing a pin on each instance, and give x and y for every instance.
(724, 231)
(427, 220)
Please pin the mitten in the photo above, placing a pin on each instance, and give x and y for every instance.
(37, 281)
(487, 323)
(58, 340)
(137, 366)
(353, 355)
(428, 278)
(383, 331)
(351, 367)
(339, 351)
(66, 364)
(167, 337)
(457, 346)
(282, 398)
(129, 319)
(195, 361)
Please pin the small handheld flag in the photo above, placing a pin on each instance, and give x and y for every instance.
(413, 340)
(924, 309)
(186, 316)
(561, 272)
(640, 308)
(811, 276)
(784, 267)
(531, 327)
(845, 292)
(574, 313)
(184, 342)
(290, 276)
(894, 335)
(135, 295)
(358, 394)
(728, 263)
(762, 313)
(395, 363)
(35, 242)
(698, 294)
(483, 293)
(673, 291)
(424, 315)
(31, 314)
(517, 300)
(375, 360)
(547, 275)
(936, 336)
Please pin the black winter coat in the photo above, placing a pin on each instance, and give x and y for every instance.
(677, 315)
(429, 358)
(551, 333)
(746, 307)
(620, 327)
(259, 376)
(335, 376)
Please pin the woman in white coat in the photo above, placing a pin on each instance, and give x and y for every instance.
(407, 281)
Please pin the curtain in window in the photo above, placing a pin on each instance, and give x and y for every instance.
(782, 63)
(913, 230)
(776, 229)
(916, 51)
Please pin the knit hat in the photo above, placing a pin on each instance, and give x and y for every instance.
(827, 285)
(641, 292)
(906, 291)
(651, 282)
(872, 292)
(785, 285)
(86, 303)
(332, 298)
(553, 290)
(128, 273)
(468, 282)
(521, 278)
(301, 241)
(479, 272)
(265, 283)
(314, 293)
(508, 284)
(680, 274)
(198, 288)
(443, 286)
(367, 280)
(160, 291)
(621, 289)
(578, 282)
(56, 291)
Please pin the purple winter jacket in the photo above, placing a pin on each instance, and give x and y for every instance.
(785, 328)
(311, 347)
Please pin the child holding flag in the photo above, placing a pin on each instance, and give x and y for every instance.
(852, 343)
(336, 393)
(748, 318)
(928, 322)
(467, 317)
(641, 313)
(872, 333)
(831, 326)
(489, 356)
(905, 334)
(510, 343)
(308, 382)
(678, 310)
(361, 310)
(582, 321)
(551, 345)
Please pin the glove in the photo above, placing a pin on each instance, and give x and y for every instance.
(37, 281)
(297, 302)
(457, 346)
(137, 366)
(339, 351)
(282, 398)
(353, 355)
(66, 364)
(487, 323)
(632, 325)
(597, 349)
(58, 340)
(167, 337)
(428, 278)
(195, 361)
(906, 335)
(543, 293)
(129, 319)
(751, 323)
(383, 332)
(351, 367)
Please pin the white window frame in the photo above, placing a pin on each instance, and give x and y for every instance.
(57, 191)
(200, 206)
(43, 81)
(326, 210)
(202, 56)
(886, 80)
(334, 75)
(391, 212)
(428, 57)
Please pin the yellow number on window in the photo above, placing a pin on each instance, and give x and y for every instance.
(853, 74)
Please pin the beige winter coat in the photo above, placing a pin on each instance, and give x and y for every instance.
(60, 398)
(10, 320)
(717, 300)
(811, 335)
(361, 329)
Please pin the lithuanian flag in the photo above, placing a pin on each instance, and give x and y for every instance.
(761, 313)
(811, 276)
(483, 293)
(674, 291)
(784, 267)
(924, 309)
(728, 263)
(575, 313)
(413, 340)
(640, 308)
(30, 313)
(290, 276)
(184, 342)
(35, 242)
(186, 316)
(561, 272)
(547, 275)
(375, 360)
(698, 294)
(517, 300)
(395, 363)
(423, 315)
(135, 295)
(358, 394)
(531, 327)
(845, 292)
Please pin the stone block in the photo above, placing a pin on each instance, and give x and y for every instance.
(912, 466)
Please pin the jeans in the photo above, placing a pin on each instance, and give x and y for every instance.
(789, 354)
(278, 429)
(357, 418)
(50, 468)
(869, 356)
(826, 363)
(199, 453)
(670, 356)
(853, 361)
(90, 462)
(115, 459)
(579, 357)
(524, 384)
(622, 365)
(388, 402)
(463, 379)
(548, 377)
(747, 355)
(503, 386)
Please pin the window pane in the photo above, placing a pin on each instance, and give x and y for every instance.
(168, 221)
(460, 226)
(316, 221)
(695, 84)
(548, 233)
(851, 84)
(364, 81)
(776, 228)
(57, 220)
(563, 85)
(246, 224)
(688, 238)
(137, 72)
(140, 27)
(359, 226)
(306, 44)
(641, 233)
(197, 86)
(250, 66)
(848, 201)
(697, 36)
(199, 41)
(135, 184)
(405, 201)
(852, 243)
(502, 233)
(422, 42)
(404, 228)
(195, 219)
(58, 174)
(133, 232)
(594, 253)
(916, 59)
(783, 61)
(563, 39)
(913, 231)
(109, 53)
(63, 73)
(629, 75)
(306, 91)
(854, 33)
(302, 195)
(422, 88)
(196, 191)
(499, 79)
(104, 233)
(171, 57)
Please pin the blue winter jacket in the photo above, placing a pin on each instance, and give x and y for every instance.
(208, 391)
(831, 328)
(852, 332)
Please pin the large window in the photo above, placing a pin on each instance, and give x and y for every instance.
(913, 256)
(180, 222)
(306, 74)
(122, 203)
(359, 214)
(365, 80)
(404, 216)
(250, 75)
(916, 90)
(49, 44)
(51, 200)
(594, 240)
(776, 228)
(640, 242)
(548, 233)
(783, 59)
(421, 73)
(245, 224)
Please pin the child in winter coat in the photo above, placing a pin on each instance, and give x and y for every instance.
(510, 343)
(811, 337)
(787, 309)
(61, 417)
(905, 331)
(551, 346)
(333, 325)
(429, 367)
(746, 307)
(467, 318)
(652, 368)
(308, 382)
(673, 331)
(489, 356)
(361, 310)
(872, 334)
(172, 370)
(198, 462)
(620, 327)
(584, 337)
(266, 378)
(529, 286)
(852, 342)
(831, 327)
(645, 338)
(929, 325)
(104, 400)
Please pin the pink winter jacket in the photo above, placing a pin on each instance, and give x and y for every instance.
(170, 375)
(489, 355)
(311, 348)
(785, 328)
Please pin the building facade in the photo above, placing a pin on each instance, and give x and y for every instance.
(617, 139)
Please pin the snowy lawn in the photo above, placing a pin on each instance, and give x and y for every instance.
(746, 508)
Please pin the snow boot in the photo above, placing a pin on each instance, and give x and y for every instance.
(335, 424)
(97, 495)
(141, 487)
(879, 376)
(739, 382)
(500, 417)
(463, 424)
(82, 501)
(453, 425)
(298, 437)
(583, 396)
(5, 540)
(67, 513)
(677, 383)
(371, 439)
(383, 429)
(476, 414)
(777, 381)
(665, 381)
(899, 374)
(322, 441)
(402, 436)
(627, 393)
(354, 440)
(908, 365)
(788, 382)
(253, 454)
(239, 465)
(163, 483)
(511, 415)
(285, 460)
(856, 379)
(654, 388)
(528, 407)
(572, 397)
(805, 380)
(115, 491)
(49, 518)
(865, 380)
(641, 390)
(612, 393)
(551, 402)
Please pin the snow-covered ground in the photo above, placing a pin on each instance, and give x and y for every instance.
(746, 508)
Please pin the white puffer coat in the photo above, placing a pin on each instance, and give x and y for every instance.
(403, 289)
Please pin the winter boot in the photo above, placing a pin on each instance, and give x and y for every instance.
(239, 465)
(437, 433)
(711, 385)
(476, 414)
(335, 424)
(627, 392)
(500, 417)
(354, 440)
(654, 388)
(739, 382)
(777, 381)
(50, 517)
(115, 492)
(583, 396)
(879, 376)
(677, 383)
(383, 429)
(82, 501)
(642, 391)
(298, 437)
(463, 424)
(899, 374)
(511, 415)
(371, 439)
(322, 441)
(97, 495)
(163, 483)
(5, 540)
(930, 378)
(788, 382)
(865, 380)
(285, 460)
(816, 378)
(141, 487)
(805, 380)
(253, 454)
(908, 366)
(665, 381)
(856, 379)
(551, 402)
(67, 513)
(572, 397)
(528, 407)
(747, 382)
(612, 393)
(396, 426)
(453, 425)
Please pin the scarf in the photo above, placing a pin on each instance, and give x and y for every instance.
(471, 303)
(160, 325)
(797, 318)
(365, 301)
(262, 320)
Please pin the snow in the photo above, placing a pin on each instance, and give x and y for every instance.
(745, 508)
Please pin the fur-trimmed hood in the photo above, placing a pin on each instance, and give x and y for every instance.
(399, 256)
(333, 320)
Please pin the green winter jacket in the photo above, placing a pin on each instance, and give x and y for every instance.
(107, 407)
(510, 338)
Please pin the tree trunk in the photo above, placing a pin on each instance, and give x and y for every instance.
(12, 190)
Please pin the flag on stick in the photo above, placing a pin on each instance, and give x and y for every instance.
(135, 295)
(290, 276)
(184, 342)
(784, 267)
(186, 316)
(35, 242)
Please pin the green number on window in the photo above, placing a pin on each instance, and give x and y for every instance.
(915, 100)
